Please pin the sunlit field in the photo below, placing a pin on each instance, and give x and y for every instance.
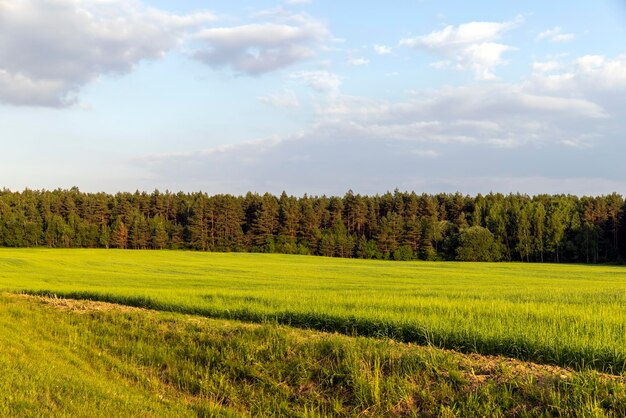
(568, 315)
(78, 358)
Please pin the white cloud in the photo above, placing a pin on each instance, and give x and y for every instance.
(298, 1)
(591, 63)
(602, 72)
(482, 58)
(286, 99)
(571, 106)
(589, 74)
(452, 37)
(19, 89)
(259, 48)
(440, 65)
(576, 104)
(555, 35)
(358, 61)
(321, 81)
(382, 49)
(513, 107)
(471, 45)
(50, 49)
(545, 66)
(488, 136)
(474, 131)
(490, 116)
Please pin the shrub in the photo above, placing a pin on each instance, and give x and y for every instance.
(477, 244)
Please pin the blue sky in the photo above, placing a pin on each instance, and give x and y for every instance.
(313, 96)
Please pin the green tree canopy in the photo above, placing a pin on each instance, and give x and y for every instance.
(477, 244)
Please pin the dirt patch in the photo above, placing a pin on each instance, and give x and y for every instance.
(479, 369)
(76, 305)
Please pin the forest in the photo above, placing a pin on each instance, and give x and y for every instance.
(395, 225)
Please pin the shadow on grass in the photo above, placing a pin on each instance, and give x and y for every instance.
(606, 361)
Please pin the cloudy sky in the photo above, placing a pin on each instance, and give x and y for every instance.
(314, 96)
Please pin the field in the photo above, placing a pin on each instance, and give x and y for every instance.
(179, 363)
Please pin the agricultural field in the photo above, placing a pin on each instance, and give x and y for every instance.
(190, 333)
(78, 358)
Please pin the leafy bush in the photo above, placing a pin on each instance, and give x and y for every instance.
(477, 244)
(404, 253)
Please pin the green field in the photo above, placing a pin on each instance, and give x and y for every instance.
(568, 315)
(83, 359)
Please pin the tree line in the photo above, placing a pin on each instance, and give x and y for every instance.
(398, 225)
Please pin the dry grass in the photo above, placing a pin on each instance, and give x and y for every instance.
(76, 305)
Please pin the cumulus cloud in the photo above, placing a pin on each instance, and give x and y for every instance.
(460, 36)
(545, 66)
(286, 99)
(322, 81)
(470, 45)
(590, 74)
(50, 49)
(20, 89)
(358, 61)
(440, 65)
(493, 114)
(495, 117)
(555, 35)
(259, 48)
(575, 104)
(494, 134)
(382, 49)
(602, 72)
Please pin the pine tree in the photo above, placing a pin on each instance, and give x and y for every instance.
(265, 225)
(198, 225)
(158, 233)
(539, 219)
(119, 234)
(524, 237)
(104, 239)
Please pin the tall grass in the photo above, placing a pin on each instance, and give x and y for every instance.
(110, 361)
(569, 315)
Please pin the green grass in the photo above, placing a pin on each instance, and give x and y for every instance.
(569, 315)
(69, 358)
(46, 369)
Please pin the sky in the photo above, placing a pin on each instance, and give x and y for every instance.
(316, 96)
